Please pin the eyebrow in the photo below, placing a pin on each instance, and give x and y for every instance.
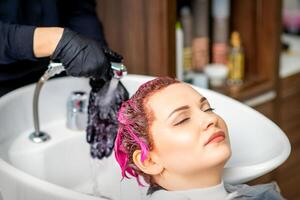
(202, 99)
(185, 107)
(178, 109)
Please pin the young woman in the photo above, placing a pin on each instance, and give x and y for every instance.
(169, 135)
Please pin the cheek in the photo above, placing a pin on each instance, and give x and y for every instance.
(174, 149)
(174, 141)
(222, 124)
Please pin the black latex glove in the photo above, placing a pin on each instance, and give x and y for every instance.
(102, 119)
(82, 56)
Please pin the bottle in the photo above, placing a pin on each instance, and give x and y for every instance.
(179, 52)
(200, 45)
(186, 21)
(220, 15)
(236, 60)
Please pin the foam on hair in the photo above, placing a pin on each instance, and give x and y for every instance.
(133, 130)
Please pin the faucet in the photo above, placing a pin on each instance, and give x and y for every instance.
(54, 68)
(77, 106)
(38, 136)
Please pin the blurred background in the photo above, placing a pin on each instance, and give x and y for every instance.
(246, 49)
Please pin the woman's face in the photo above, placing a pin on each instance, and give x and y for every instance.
(188, 137)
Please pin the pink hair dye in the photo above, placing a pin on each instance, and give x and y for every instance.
(133, 130)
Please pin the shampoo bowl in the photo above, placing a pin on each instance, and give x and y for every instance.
(61, 168)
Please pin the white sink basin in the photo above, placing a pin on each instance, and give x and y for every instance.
(61, 168)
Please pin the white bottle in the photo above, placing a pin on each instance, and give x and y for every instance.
(179, 52)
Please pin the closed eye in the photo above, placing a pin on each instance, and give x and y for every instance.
(182, 121)
(209, 110)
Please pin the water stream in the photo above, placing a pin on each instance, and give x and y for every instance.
(104, 102)
(107, 182)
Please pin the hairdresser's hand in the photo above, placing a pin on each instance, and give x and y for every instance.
(84, 57)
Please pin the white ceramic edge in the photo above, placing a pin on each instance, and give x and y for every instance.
(41, 184)
(254, 171)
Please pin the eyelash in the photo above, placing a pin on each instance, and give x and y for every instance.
(209, 110)
(186, 119)
(181, 122)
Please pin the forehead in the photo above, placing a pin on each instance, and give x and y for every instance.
(173, 96)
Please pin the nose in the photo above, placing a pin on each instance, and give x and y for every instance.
(209, 120)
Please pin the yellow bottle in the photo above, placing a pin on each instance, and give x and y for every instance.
(236, 62)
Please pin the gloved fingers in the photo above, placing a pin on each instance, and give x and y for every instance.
(104, 65)
(96, 83)
(111, 55)
(67, 36)
(82, 56)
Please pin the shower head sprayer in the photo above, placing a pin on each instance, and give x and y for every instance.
(119, 69)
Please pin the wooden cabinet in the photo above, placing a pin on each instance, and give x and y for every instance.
(143, 32)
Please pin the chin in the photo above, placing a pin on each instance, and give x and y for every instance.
(226, 153)
(220, 155)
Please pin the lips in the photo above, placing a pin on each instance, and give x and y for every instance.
(217, 137)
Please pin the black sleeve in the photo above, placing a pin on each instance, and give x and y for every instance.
(16, 43)
(81, 17)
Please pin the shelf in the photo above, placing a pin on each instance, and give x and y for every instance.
(148, 39)
(251, 88)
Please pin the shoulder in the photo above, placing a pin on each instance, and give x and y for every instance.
(261, 191)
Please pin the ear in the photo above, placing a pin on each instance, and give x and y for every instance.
(148, 166)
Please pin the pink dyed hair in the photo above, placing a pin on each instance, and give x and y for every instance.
(133, 131)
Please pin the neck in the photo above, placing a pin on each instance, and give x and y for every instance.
(203, 179)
